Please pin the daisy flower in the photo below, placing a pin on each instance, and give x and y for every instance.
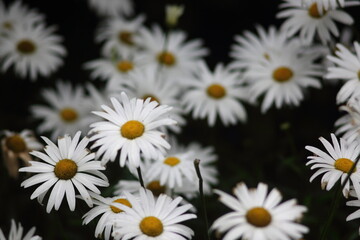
(325, 5)
(308, 20)
(110, 209)
(347, 68)
(336, 164)
(151, 218)
(283, 79)
(34, 51)
(175, 56)
(112, 7)
(356, 214)
(16, 233)
(349, 124)
(258, 214)
(68, 110)
(67, 166)
(18, 145)
(211, 94)
(173, 13)
(130, 126)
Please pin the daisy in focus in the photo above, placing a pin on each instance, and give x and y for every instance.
(16, 146)
(349, 124)
(211, 94)
(305, 17)
(151, 218)
(65, 167)
(336, 164)
(67, 113)
(347, 68)
(258, 214)
(130, 126)
(16, 233)
(112, 7)
(34, 51)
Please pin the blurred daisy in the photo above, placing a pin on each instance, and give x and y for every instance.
(68, 110)
(325, 5)
(67, 166)
(112, 7)
(110, 209)
(173, 13)
(259, 215)
(308, 20)
(130, 126)
(336, 164)
(349, 124)
(347, 68)
(356, 214)
(151, 218)
(34, 51)
(18, 145)
(283, 79)
(215, 93)
(175, 56)
(16, 233)
(117, 33)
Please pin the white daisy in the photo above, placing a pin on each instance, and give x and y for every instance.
(68, 110)
(349, 124)
(258, 215)
(18, 145)
(283, 79)
(16, 233)
(211, 94)
(110, 209)
(325, 5)
(175, 56)
(34, 51)
(112, 7)
(306, 19)
(130, 127)
(66, 167)
(356, 214)
(151, 218)
(348, 69)
(336, 164)
(118, 33)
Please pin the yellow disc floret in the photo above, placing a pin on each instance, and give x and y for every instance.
(26, 46)
(344, 164)
(121, 201)
(258, 217)
(152, 98)
(156, 188)
(282, 74)
(125, 66)
(314, 11)
(172, 161)
(166, 58)
(65, 169)
(68, 114)
(216, 91)
(126, 38)
(151, 226)
(132, 129)
(15, 143)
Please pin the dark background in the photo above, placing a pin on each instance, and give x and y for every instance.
(268, 148)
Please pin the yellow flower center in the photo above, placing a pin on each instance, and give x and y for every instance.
(7, 25)
(121, 201)
(282, 74)
(314, 11)
(166, 58)
(359, 74)
(68, 114)
(258, 217)
(65, 169)
(132, 129)
(15, 143)
(125, 66)
(126, 38)
(172, 161)
(152, 98)
(216, 91)
(156, 188)
(266, 56)
(151, 226)
(344, 164)
(26, 46)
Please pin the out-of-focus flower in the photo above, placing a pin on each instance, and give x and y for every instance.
(111, 8)
(173, 13)
(16, 233)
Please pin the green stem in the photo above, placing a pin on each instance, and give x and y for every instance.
(140, 177)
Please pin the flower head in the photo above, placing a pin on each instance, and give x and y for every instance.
(16, 233)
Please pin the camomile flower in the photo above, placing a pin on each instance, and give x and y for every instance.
(211, 94)
(310, 22)
(356, 214)
(34, 51)
(16, 146)
(16, 233)
(111, 8)
(68, 110)
(151, 218)
(110, 209)
(283, 80)
(130, 126)
(258, 214)
(336, 164)
(325, 5)
(65, 167)
(174, 55)
(347, 68)
(349, 124)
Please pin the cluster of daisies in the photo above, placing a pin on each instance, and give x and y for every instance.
(144, 83)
